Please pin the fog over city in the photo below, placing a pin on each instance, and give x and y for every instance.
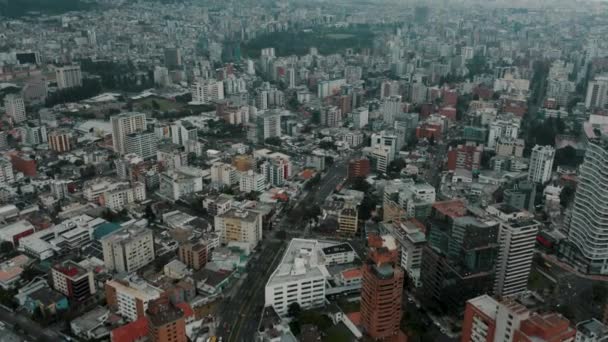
(290, 170)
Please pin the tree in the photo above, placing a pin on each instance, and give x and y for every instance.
(327, 145)
(360, 184)
(294, 310)
(155, 105)
(6, 247)
(275, 141)
(78, 162)
(566, 196)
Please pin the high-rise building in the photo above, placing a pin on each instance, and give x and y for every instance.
(358, 168)
(60, 140)
(173, 58)
(506, 127)
(68, 76)
(382, 288)
(331, 116)
(488, 320)
(223, 174)
(124, 124)
(390, 107)
(586, 248)
(597, 93)
(73, 280)
(35, 135)
(142, 144)
(541, 164)
(516, 239)
(207, 91)
(360, 117)
(268, 125)
(348, 219)
(466, 157)
(183, 131)
(237, 225)
(15, 108)
(161, 76)
(128, 249)
(180, 182)
(193, 254)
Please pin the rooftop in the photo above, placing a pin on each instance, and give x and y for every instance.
(244, 215)
(70, 269)
(341, 248)
(485, 304)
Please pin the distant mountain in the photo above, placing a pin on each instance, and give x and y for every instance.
(19, 8)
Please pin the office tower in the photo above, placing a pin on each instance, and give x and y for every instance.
(459, 259)
(73, 280)
(68, 76)
(173, 58)
(183, 131)
(15, 108)
(124, 124)
(207, 91)
(516, 239)
(390, 107)
(597, 93)
(488, 320)
(193, 254)
(238, 225)
(142, 144)
(587, 249)
(252, 181)
(541, 164)
(382, 288)
(60, 140)
(128, 249)
(360, 117)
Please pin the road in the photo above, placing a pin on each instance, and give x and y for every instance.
(31, 328)
(239, 314)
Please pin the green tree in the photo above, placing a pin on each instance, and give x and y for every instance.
(327, 145)
(294, 310)
(6, 247)
(275, 141)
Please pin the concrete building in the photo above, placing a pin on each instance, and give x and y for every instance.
(68, 76)
(466, 157)
(120, 195)
(180, 182)
(183, 131)
(390, 107)
(510, 147)
(207, 91)
(516, 241)
(166, 322)
(252, 181)
(360, 117)
(7, 175)
(128, 249)
(358, 168)
(382, 288)
(597, 92)
(123, 125)
(487, 320)
(129, 296)
(223, 175)
(506, 127)
(331, 116)
(15, 108)
(141, 143)
(60, 140)
(591, 331)
(238, 225)
(267, 125)
(194, 254)
(541, 164)
(348, 220)
(73, 280)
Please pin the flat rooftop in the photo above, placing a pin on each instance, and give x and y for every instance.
(485, 304)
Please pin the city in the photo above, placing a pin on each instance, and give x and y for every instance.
(277, 171)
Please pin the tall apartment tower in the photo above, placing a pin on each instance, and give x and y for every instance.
(382, 288)
(15, 108)
(124, 124)
(68, 76)
(597, 93)
(193, 254)
(516, 241)
(128, 249)
(390, 107)
(166, 322)
(587, 249)
(541, 164)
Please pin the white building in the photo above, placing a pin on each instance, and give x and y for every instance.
(128, 249)
(68, 76)
(507, 127)
(15, 108)
(516, 239)
(360, 117)
(390, 107)
(124, 124)
(597, 93)
(142, 143)
(385, 139)
(180, 182)
(120, 196)
(183, 131)
(7, 175)
(331, 116)
(207, 91)
(132, 296)
(380, 156)
(238, 225)
(328, 88)
(541, 164)
(161, 76)
(223, 174)
(252, 181)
